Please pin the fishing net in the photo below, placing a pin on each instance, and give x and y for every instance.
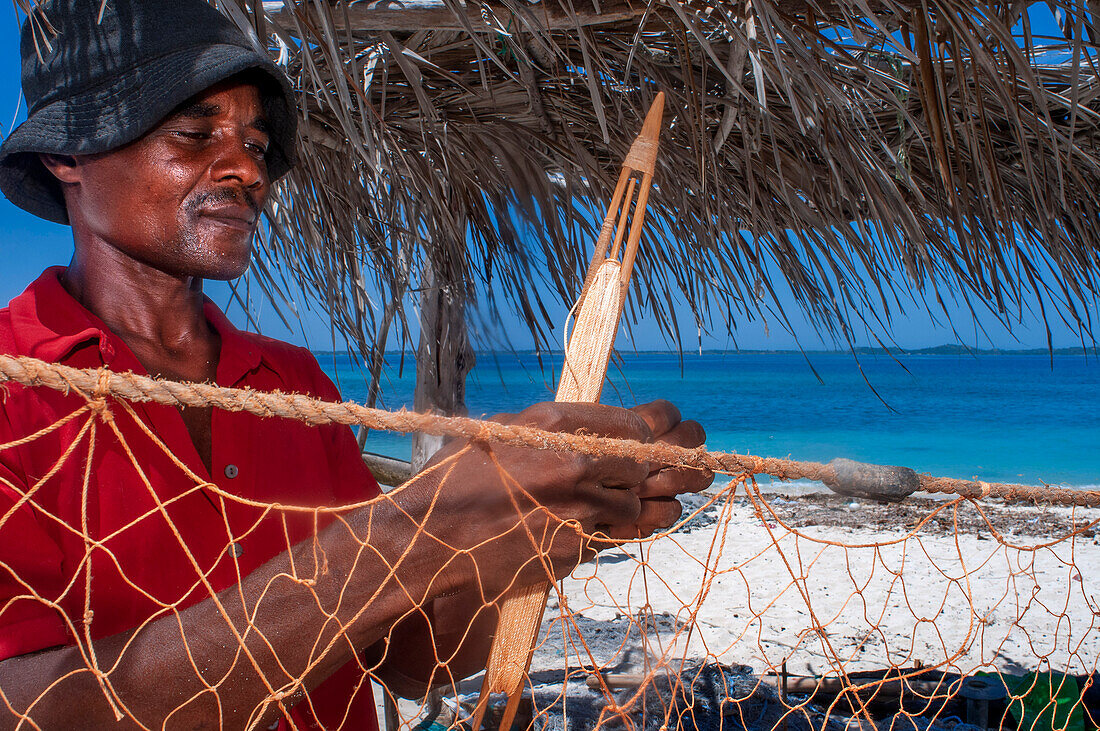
(758, 610)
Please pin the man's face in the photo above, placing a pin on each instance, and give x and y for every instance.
(186, 197)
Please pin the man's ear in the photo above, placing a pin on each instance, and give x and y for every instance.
(65, 168)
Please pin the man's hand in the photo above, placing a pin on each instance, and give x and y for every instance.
(659, 507)
(509, 516)
(516, 515)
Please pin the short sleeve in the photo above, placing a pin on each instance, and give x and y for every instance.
(30, 564)
(354, 481)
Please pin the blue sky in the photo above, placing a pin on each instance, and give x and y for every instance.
(28, 245)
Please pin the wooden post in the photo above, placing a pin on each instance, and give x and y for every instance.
(444, 356)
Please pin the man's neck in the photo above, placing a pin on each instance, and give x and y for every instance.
(157, 314)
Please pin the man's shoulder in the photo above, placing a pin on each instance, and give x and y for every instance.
(279, 350)
(7, 333)
(34, 317)
(8, 342)
(297, 366)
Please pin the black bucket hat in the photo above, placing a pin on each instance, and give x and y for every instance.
(104, 82)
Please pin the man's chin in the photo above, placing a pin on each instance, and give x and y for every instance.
(223, 251)
(226, 271)
(222, 260)
(214, 269)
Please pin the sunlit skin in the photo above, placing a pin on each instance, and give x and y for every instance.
(183, 200)
(151, 221)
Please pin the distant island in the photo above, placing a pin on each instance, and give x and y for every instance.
(964, 350)
(946, 349)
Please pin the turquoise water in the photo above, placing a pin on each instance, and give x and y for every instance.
(994, 417)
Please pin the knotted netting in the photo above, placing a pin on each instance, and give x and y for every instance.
(756, 610)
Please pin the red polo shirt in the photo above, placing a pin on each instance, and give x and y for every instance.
(139, 569)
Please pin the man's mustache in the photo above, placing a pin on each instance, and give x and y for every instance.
(224, 195)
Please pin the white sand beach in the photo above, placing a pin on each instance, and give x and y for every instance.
(827, 583)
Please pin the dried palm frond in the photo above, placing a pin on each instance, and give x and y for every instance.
(862, 155)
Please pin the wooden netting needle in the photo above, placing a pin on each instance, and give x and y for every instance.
(586, 358)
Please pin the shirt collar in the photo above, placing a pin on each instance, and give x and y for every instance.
(49, 324)
(240, 354)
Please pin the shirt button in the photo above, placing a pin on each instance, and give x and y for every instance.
(231, 471)
(235, 549)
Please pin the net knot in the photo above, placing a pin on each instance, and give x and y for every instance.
(88, 615)
(98, 401)
(282, 695)
(986, 487)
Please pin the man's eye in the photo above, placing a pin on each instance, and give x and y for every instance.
(192, 134)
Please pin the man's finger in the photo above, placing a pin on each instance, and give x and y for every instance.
(627, 532)
(672, 481)
(609, 505)
(658, 514)
(596, 419)
(619, 472)
(660, 415)
(688, 434)
(654, 515)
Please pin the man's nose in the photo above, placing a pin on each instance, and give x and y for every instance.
(236, 160)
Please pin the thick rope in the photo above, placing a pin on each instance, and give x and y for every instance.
(93, 383)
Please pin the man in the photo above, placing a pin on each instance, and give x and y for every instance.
(144, 573)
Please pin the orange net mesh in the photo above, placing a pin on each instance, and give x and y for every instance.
(757, 611)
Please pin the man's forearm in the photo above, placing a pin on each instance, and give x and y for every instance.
(446, 643)
(230, 660)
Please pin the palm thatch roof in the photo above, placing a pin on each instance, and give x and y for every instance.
(866, 155)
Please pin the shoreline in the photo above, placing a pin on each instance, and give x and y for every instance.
(992, 516)
(797, 488)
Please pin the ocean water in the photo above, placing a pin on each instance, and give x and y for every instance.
(993, 417)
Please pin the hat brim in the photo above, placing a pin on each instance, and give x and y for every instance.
(108, 117)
